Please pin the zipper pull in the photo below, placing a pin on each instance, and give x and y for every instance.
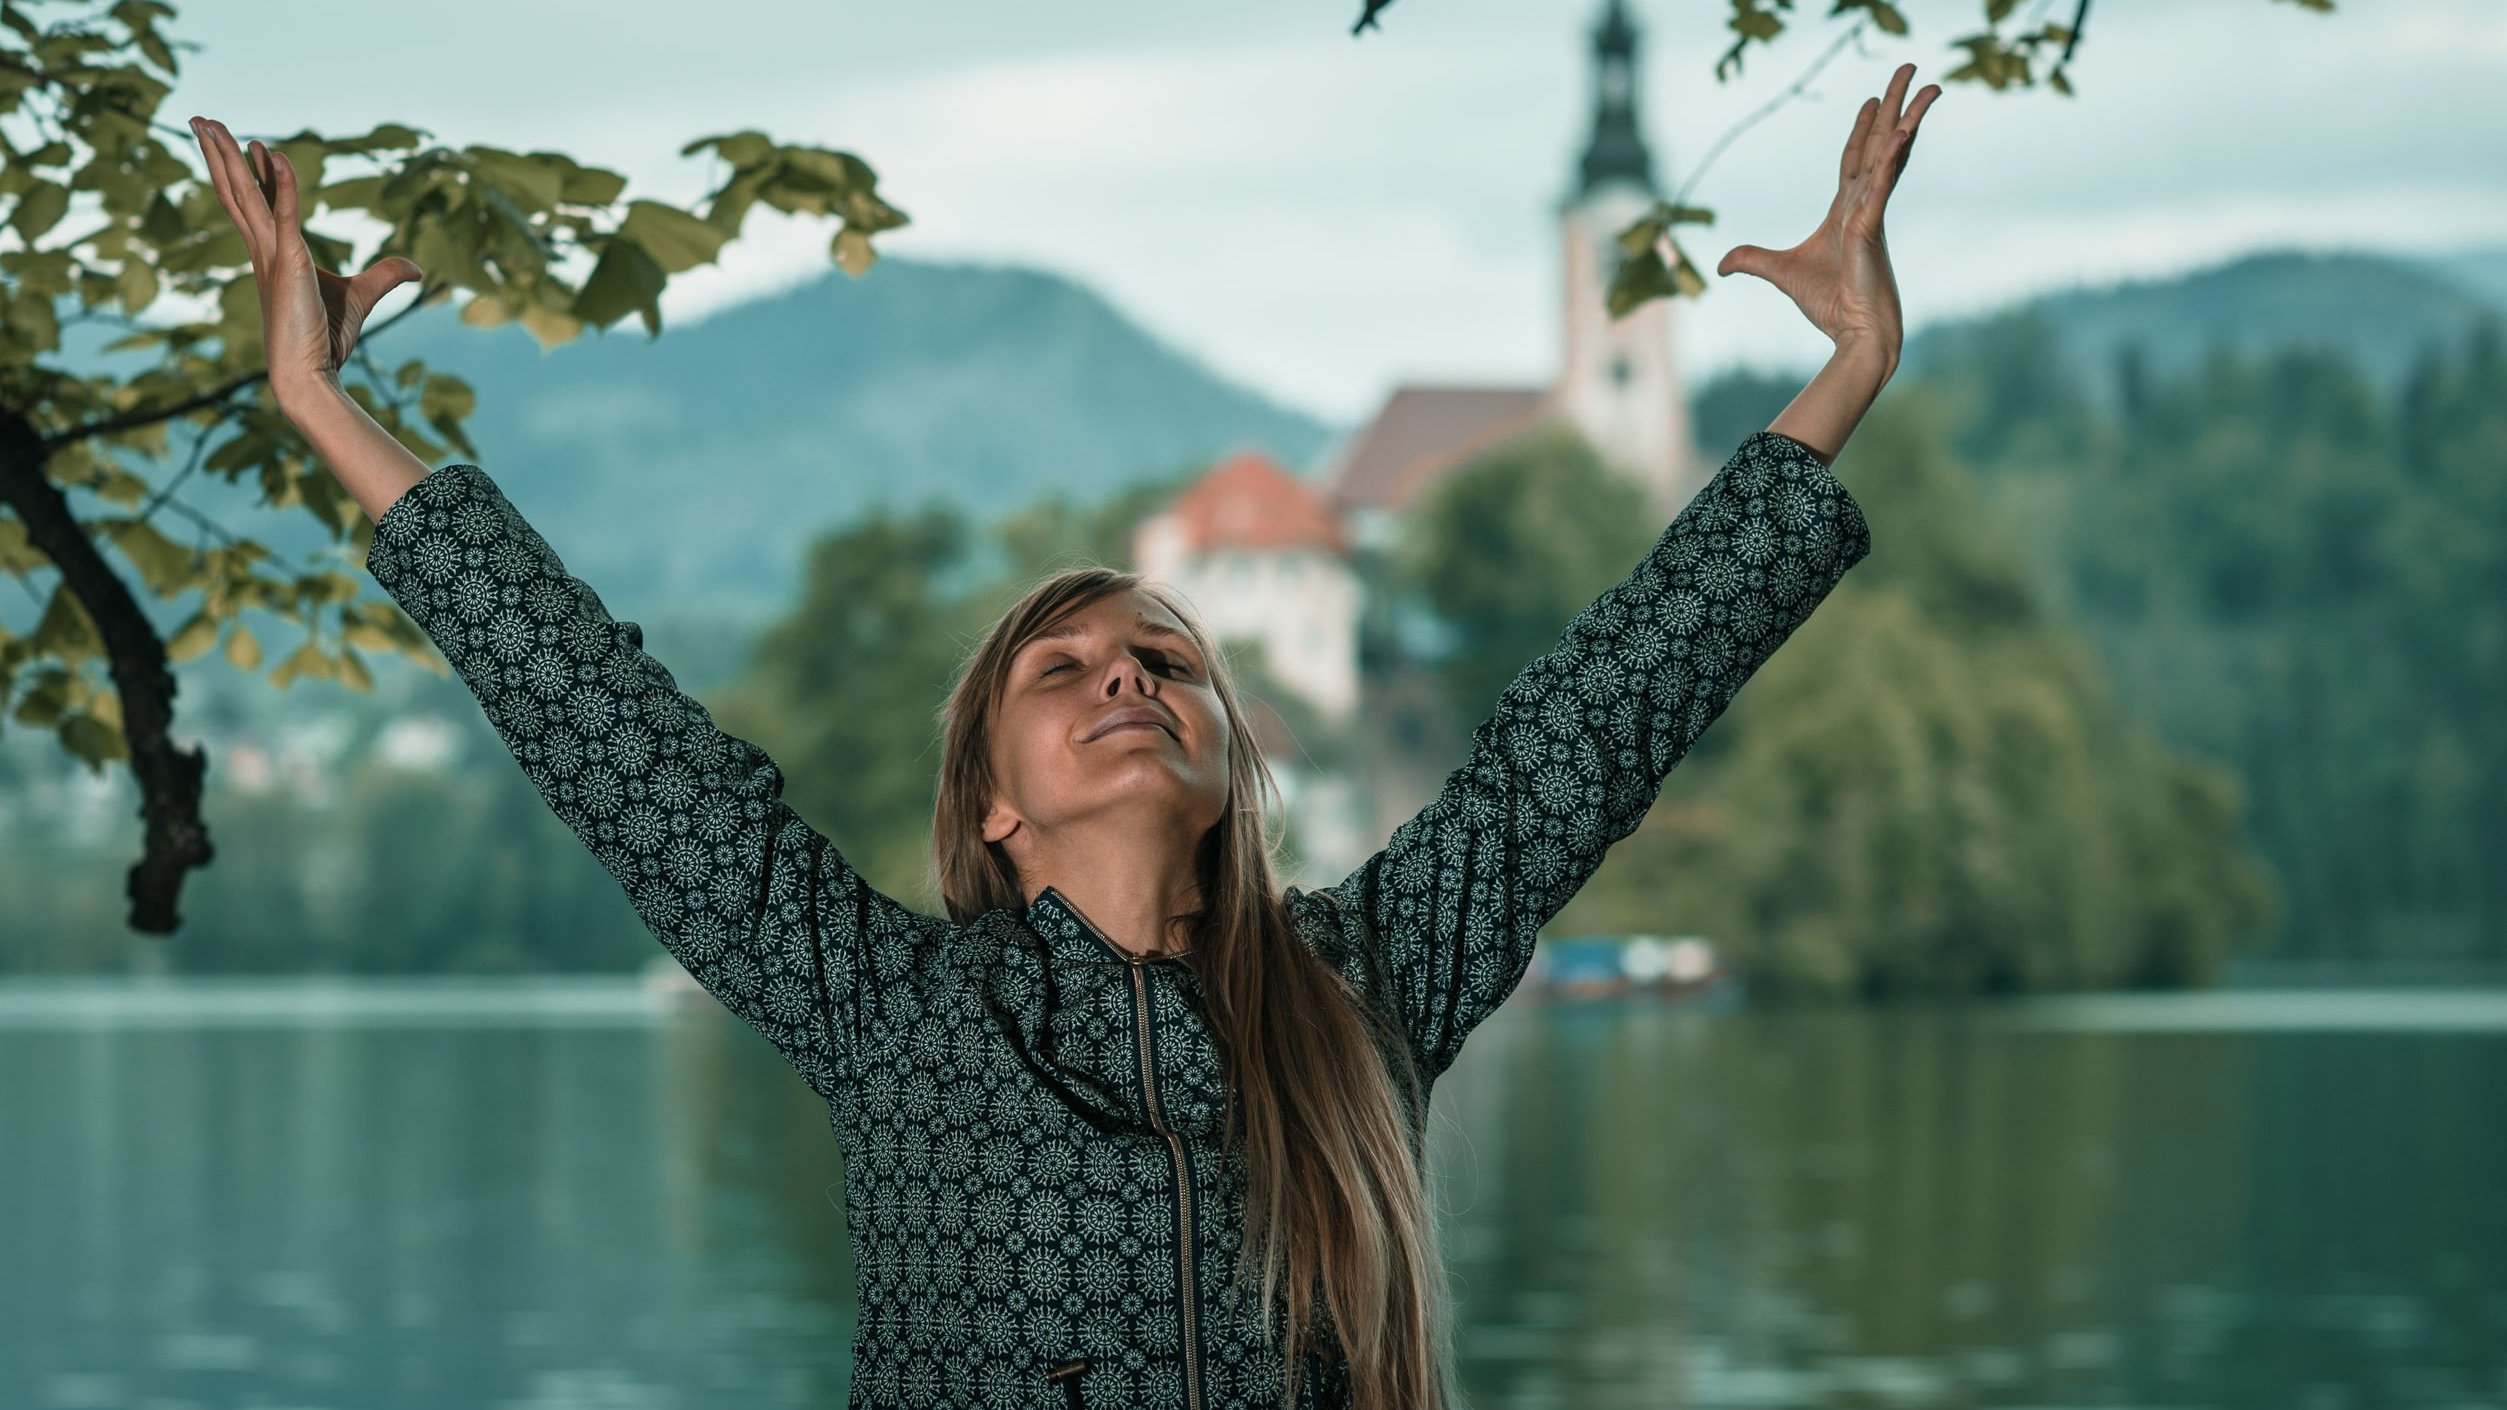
(1068, 1374)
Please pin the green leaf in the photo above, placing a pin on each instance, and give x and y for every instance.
(92, 741)
(305, 660)
(675, 239)
(44, 702)
(852, 251)
(32, 321)
(446, 401)
(530, 182)
(321, 493)
(397, 136)
(137, 284)
(449, 255)
(737, 148)
(164, 565)
(551, 326)
(592, 186)
(40, 210)
(627, 280)
(163, 225)
(485, 310)
(17, 555)
(243, 650)
(352, 193)
(193, 639)
(65, 632)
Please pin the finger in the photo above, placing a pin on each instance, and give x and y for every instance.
(264, 175)
(222, 180)
(1906, 140)
(382, 277)
(216, 181)
(1890, 104)
(1847, 160)
(255, 216)
(1915, 115)
(284, 181)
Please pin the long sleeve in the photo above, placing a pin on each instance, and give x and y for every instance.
(1580, 742)
(757, 906)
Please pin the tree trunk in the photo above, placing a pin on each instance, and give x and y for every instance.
(169, 777)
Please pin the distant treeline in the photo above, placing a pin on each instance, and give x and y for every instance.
(2119, 693)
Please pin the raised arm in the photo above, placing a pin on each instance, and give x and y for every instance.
(755, 904)
(1582, 739)
(1580, 742)
(758, 906)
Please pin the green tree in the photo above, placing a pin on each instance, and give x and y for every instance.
(1930, 789)
(846, 688)
(1506, 549)
(2290, 575)
(110, 224)
(1927, 790)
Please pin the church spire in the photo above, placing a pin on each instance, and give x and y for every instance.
(1616, 152)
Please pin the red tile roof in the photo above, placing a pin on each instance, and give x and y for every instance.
(1249, 500)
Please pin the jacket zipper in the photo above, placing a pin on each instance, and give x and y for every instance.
(1068, 1374)
(1183, 1192)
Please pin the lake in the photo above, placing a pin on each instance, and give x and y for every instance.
(544, 1196)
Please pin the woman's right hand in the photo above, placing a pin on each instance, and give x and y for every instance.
(310, 317)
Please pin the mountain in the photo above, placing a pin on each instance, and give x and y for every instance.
(2381, 309)
(689, 470)
(682, 475)
(2481, 273)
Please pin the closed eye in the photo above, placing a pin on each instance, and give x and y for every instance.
(1167, 662)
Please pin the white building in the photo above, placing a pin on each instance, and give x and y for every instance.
(1264, 559)
(1618, 382)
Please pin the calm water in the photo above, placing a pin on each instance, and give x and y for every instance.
(554, 1201)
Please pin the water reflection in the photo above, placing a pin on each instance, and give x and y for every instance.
(393, 1216)
(1646, 1208)
(1949, 1208)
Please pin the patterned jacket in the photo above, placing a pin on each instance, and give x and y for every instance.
(1043, 1210)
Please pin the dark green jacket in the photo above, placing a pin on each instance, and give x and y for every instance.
(1036, 1178)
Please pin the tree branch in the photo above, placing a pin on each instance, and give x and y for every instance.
(131, 420)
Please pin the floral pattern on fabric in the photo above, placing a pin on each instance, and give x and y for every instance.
(1031, 1124)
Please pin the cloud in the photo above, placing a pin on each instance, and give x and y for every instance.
(1323, 217)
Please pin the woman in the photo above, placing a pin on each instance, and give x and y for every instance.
(1126, 1070)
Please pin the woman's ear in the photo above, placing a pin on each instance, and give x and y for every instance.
(999, 821)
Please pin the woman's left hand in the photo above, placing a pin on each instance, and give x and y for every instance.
(1839, 276)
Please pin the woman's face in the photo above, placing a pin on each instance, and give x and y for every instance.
(1066, 750)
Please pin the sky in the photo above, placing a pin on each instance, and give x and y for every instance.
(1323, 217)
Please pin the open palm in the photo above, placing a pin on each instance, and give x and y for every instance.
(1839, 275)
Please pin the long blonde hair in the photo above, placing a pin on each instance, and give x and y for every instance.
(1324, 1098)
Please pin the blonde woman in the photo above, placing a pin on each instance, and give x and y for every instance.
(1131, 1125)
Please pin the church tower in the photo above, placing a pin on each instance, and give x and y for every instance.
(1618, 381)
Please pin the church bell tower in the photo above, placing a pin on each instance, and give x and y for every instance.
(1618, 381)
